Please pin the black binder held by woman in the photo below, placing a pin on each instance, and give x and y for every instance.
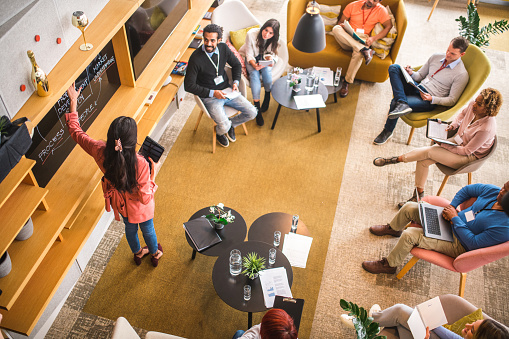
(150, 148)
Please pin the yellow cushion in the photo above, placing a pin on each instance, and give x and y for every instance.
(383, 46)
(157, 18)
(238, 38)
(459, 325)
(329, 15)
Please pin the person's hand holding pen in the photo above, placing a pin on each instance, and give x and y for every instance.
(409, 69)
(73, 97)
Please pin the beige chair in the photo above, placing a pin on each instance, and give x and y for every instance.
(230, 112)
(468, 168)
(124, 330)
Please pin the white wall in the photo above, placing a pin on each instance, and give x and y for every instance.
(21, 21)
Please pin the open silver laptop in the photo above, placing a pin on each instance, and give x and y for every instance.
(432, 221)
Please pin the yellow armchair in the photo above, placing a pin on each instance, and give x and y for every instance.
(333, 56)
(478, 67)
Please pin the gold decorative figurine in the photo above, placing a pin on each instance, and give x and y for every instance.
(80, 20)
(39, 78)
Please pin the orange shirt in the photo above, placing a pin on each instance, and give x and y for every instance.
(367, 18)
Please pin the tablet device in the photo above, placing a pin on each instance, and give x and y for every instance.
(150, 148)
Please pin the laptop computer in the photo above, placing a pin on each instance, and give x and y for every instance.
(432, 221)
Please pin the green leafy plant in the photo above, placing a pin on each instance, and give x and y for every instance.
(252, 264)
(365, 327)
(469, 27)
(219, 215)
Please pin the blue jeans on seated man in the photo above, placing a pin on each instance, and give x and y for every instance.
(403, 91)
(215, 107)
(254, 80)
(238, 334)
(148, 231)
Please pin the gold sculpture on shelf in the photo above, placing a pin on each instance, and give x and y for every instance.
(80, 21)
(39, 78)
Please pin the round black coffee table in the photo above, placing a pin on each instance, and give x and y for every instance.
(230, 234)
(283, 94)
(264, 227)
(231, 288)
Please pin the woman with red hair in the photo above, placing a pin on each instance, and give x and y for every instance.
(276, 324)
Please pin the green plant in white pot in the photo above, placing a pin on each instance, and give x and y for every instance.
(479, 36)
(365, 327)
(252, 264)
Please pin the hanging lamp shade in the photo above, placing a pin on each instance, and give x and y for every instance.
(309, 36)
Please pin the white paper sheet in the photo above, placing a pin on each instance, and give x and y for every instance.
(309, 101)
(325, 74)
(296, 249)
(428, 314)
(230, 93)
(437, 130)
(274, 282)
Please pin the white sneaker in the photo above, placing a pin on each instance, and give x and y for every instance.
(373, 309)
(347, 320)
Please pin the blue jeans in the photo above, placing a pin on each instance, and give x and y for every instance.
(215, 107)
(402, 91)
(238, 334)
(148, 231)
(254, 80)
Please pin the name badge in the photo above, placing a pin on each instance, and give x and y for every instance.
(218, 80)
(360, 30)
(458, 139)
(469, 215)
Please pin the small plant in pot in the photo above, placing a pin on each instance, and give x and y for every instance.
(365, 327)
(253, 264)
(219, 216)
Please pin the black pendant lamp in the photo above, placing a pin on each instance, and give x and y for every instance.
(309, 36)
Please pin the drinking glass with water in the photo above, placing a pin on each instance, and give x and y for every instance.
(235, 262)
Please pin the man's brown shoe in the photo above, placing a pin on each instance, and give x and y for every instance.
(379, 266)
(343, 92)
(367, 53)
(381, 230)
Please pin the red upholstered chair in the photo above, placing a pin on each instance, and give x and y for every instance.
(462, 264)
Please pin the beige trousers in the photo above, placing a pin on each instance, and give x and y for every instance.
(348, 43)
(427, 156)
(414, 236)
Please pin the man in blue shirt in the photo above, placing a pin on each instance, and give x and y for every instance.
(483, 224)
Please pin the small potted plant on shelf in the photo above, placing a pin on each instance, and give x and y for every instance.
(365, 327)
(253, 264)
(219, 216)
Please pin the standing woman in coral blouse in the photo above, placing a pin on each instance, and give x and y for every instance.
(128, 183)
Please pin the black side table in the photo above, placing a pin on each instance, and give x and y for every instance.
(264, 227)
(230, 234)
(231, 289)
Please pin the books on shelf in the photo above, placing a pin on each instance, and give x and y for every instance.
(180, 68)
(207, 15)
(199, 34)
(196, 29)
(202, 233)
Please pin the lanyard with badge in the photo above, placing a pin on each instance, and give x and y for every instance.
(219, 78)
(426, 80)
(470, 215)
(361, 30)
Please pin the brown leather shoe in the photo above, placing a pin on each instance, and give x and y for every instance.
(343, 92)
(381, 230)
(367, 53)
(379, 266)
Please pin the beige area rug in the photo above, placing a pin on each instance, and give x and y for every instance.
(290, 169)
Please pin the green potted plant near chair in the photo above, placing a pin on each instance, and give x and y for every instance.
(253, 264)
(365, 327)
(219, 217)
(469, 28)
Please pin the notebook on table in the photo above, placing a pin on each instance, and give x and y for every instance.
(432, 221)
(202, 233)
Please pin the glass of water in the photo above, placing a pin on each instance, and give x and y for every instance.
(247, 292)
(235, 262)
(316, 81)
(277, 238)
(310, 78)
(272, 256)
(295, 221)
(289, 74)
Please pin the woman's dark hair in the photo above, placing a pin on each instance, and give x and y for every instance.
(121, 166)
(272, 42)
(277, 324)
(490, 329)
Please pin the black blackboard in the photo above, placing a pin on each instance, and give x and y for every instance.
(51, 141)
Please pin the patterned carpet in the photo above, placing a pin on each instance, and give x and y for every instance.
(368, 196)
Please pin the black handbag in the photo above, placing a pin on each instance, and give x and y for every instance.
(15, 142)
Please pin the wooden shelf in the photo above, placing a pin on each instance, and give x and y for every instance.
(14, 178)
(14, 215)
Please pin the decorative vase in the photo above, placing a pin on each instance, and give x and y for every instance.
(255, 276)
(5, 265)
(296, 87)
(218, 225)
(27, 230)
(39, 78)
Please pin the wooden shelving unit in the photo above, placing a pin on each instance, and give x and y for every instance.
(67, 210)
